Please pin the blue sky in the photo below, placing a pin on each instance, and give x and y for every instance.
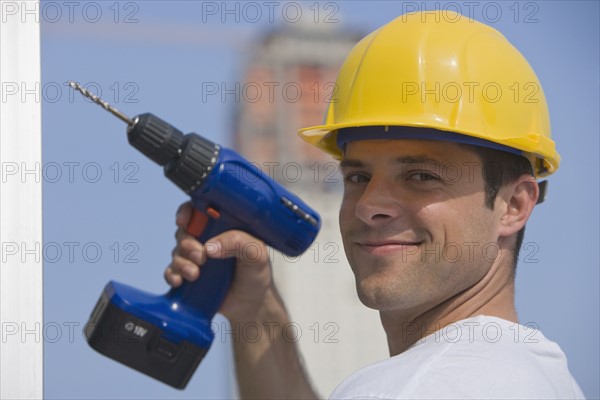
(109, 214)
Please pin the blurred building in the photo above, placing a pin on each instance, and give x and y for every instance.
(287, 85)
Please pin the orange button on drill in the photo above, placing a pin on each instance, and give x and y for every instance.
(213, 213)
(199, 220)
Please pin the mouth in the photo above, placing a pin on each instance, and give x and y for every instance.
(387, 247)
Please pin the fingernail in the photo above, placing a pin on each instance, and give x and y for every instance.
(212, 247)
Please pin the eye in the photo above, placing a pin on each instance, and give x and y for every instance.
(422, 176)
(356, 177)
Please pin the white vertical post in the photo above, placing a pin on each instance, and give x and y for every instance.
(21, 329)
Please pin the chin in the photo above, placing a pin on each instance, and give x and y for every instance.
(387, 283)
(380, 294)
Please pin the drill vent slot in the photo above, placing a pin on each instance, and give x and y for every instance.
(299, 212)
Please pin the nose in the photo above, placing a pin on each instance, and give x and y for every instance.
(378, 203)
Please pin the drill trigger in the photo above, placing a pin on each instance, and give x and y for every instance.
(197, 223)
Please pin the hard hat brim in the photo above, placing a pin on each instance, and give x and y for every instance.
(544, 163)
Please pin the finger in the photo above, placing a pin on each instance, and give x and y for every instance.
(184, 268)
(183, 215)
(172, 278)
(247, 249)
(188, 247)
(181, 234)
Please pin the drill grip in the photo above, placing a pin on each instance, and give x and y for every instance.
(206, 294)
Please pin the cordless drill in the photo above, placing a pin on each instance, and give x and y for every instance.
(166, 336)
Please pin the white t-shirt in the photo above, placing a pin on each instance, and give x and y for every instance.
(476, 358)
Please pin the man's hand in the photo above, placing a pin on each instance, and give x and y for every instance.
(269, 368)
(252, 280)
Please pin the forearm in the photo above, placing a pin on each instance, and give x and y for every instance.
(268, 364)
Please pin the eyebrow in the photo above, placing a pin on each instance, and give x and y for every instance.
(421, 159)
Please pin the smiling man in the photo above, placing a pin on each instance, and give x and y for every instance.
(440, 159)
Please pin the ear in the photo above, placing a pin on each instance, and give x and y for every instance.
(520, 197)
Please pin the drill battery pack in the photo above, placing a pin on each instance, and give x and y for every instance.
(140, 345)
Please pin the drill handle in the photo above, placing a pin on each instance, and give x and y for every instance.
(206, 294)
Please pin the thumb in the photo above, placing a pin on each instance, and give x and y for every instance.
(245, 248)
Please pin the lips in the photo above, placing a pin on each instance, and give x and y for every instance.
(385, 247)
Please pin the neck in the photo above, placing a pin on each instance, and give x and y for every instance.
(493, 295)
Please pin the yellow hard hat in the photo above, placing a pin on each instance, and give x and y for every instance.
(448, 73)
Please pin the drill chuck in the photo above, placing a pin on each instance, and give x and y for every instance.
(155, 138)
(196, 160)
(188, 159)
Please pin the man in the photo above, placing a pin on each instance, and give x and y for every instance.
(440, 158)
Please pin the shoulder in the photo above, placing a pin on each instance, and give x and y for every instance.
(479, 357)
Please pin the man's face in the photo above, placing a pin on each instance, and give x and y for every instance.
(414, 222)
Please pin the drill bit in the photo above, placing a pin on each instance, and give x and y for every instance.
(101, 102)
